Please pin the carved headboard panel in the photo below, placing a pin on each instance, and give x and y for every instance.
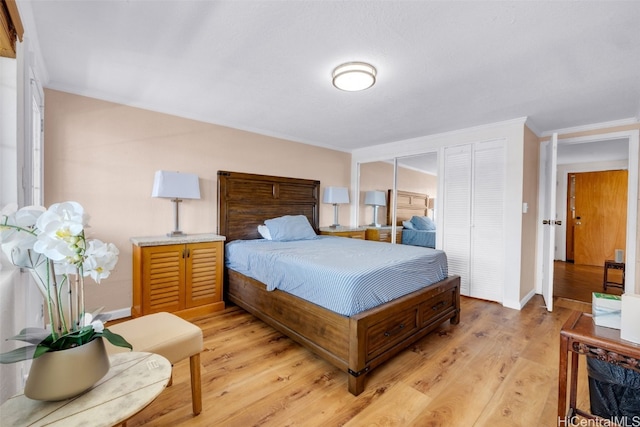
(247, 200)
(408, 205)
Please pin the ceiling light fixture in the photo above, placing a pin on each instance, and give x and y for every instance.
(354, 76)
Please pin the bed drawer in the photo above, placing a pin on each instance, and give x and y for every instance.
(390, 331)
(437, 305)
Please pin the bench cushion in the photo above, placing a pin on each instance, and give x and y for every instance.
(162, 333)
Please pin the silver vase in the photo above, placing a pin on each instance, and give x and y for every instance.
(59, 375)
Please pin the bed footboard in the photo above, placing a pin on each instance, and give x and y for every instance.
(355, 344)
(378, 334)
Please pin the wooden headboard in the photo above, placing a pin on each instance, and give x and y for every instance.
(408, 205)
(247, 200)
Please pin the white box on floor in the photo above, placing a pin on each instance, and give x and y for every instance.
(606, 310)
(630, 325)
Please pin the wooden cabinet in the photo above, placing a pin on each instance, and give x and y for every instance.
(353, 233)
(181, 275)
(383, 234)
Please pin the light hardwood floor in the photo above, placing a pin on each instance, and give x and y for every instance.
(498, 367)
(578, 282)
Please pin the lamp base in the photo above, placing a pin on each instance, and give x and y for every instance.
(373, 224)
(176, 233)
(335, 226)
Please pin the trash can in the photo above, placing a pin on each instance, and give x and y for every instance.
(614, 392)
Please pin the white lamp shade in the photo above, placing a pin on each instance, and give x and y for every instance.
(335, 195)
(375, 198)
(176, 185)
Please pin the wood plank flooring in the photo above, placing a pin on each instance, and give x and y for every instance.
(498, 367)
(577, 282)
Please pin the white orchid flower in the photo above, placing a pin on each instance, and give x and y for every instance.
(98, 326)
(28, 216)
(100, 259)
(61, 232)
(19, 224)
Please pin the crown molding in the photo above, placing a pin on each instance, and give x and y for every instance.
(593, 126)
(532, 127)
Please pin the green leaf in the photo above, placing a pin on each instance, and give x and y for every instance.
(73, 339)
(18, 355)
(31, 335)
(40, 350)
(116, 339)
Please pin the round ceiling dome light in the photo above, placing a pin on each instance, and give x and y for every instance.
(354, 76)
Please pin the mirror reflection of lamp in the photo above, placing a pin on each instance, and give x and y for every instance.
(431, 206)
(335, 196)
(176, 186)
(375, 199)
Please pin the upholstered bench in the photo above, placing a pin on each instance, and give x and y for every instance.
(167, 335)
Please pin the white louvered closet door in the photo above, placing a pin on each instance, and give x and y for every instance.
(487, 221)
(457, 212)
(473, 237)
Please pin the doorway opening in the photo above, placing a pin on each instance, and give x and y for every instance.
(592, 199)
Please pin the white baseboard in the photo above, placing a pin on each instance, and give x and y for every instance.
(527, 297)
(119, 314)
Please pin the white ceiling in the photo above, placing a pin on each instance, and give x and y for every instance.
(265, 66)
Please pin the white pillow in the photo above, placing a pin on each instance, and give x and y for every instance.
(290, 227)
(264, 232)
(408, 224)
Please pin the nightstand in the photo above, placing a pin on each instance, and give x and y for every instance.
(383, 234)
(182, 275)
(354, 233)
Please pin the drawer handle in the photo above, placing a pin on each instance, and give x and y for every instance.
(393, 332)
(438, 306)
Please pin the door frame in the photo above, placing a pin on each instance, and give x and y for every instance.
(633, 137)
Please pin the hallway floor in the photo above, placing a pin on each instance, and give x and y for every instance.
(578, 282)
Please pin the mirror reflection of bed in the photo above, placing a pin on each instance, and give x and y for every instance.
(414, 213)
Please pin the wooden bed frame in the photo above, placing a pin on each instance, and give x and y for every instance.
(355, 344)
(408, 205)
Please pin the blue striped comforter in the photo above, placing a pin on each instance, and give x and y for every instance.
(426, 238)
(346, 276)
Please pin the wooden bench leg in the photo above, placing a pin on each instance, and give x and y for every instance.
(196, 385)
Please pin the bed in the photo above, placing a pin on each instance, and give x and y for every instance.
(355, 344)
(410, 204)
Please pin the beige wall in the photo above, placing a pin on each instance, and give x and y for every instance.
(529, 223)
(104, 155)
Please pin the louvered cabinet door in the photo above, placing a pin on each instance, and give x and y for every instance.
(163, 279)
(203, 274)
(182, 278)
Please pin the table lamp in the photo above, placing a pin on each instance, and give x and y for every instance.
(176, 186)
(375, 199)
(335, 196)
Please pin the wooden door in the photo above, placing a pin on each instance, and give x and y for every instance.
(571, 215)
(601, 215)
